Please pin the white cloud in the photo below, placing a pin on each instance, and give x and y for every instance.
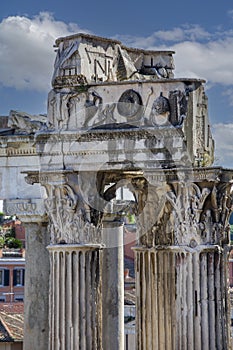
(26, 50)
(229, 94)
(175, 35)
(185, 32)
(199, 54)
(211, 61)
(223, 136)
(27, 56)
(230, 13)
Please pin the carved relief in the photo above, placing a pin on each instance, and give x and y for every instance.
(168, 111)
(70, 81)
(178, 101)
(70, 216)
(58, 110)
(69, 110)
(125, 68)
(152, 213)
(130, 105)
(106, 60)
(26, 207)
(204, 145)
(24, 123)
(185, 214)
(93, 103)
(76, 110)
(160, 111)
(200, 134)
(188, 202)
(67, 61)
(222, 206)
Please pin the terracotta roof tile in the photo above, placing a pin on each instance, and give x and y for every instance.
(11, 327)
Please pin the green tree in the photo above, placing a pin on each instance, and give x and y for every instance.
(12, 242)
(2, 241)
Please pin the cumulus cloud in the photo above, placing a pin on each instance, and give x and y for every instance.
(27, 56)
(229, 94)
(199, 54)
(26, 50)
(230, 13)
(223, 136)
(167, 37)
(211, 61)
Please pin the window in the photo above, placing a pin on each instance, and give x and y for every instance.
(18, 277)
(4, 277)
(19, 298)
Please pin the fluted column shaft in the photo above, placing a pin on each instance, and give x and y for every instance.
(181, 303)
(75, 306)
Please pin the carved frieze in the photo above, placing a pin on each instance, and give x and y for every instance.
(130, 104)
(178, 101)
(89, 59)
(70, 80)
(160, 111)
(108, 107)
(45, 178)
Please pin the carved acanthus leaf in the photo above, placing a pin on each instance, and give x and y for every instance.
(69, 216)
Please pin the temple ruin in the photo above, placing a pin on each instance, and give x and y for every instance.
(117, 117)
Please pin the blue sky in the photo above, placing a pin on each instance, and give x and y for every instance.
(201, 33)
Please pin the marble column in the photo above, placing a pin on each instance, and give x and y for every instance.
(182, 262)
(113, 286)
(75, 251)
(75, 305)
(156, 293)
(36, 303)
(182, 299)
(36, 291)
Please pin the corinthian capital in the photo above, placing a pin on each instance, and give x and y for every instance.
(187, 207)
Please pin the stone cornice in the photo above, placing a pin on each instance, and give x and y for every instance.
(105, 134)
(154, 176)
(17, 145)
(211, 174)
(54, 177)
(150, 81)
(19, 152)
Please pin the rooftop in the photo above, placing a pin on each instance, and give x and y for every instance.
(11, 327)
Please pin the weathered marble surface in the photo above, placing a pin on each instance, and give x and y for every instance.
(84, 58)
(118, 118)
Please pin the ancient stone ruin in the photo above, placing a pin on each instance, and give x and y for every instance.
(117, 118)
